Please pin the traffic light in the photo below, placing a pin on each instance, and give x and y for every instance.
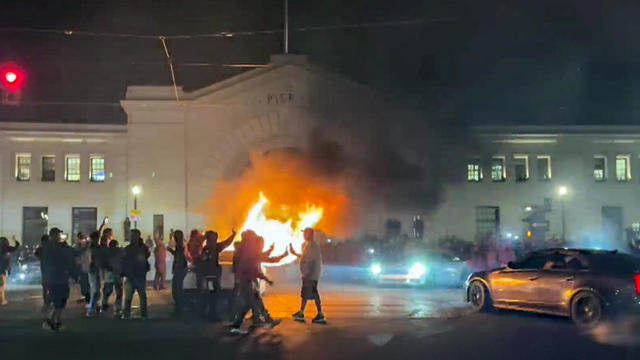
(12, 79)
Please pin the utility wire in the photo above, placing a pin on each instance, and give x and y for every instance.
(228, 34)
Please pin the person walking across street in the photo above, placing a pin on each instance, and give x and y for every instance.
(179, 270)
(311, 270)
(160, 256)
(135, 268)
(5, 266)
(113, 277)
(83, 258)
(97, 263)
(39, 253)
(247, 272)
(94, 273)
(59, 262)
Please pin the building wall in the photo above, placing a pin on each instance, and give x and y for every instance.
(572, 157)
(61, 196)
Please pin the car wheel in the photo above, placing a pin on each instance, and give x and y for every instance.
(479, 296)
(586, 309)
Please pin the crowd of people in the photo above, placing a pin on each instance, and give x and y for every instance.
(101, 267)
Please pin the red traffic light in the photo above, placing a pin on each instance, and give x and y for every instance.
(12, 77)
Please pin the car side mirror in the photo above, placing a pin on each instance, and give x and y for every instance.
(512, 265)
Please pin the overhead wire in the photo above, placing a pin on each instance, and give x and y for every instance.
(227, 34)
(220, 34)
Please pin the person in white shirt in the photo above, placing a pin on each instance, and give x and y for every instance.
(311, 270)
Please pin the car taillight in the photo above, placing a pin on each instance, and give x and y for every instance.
(636, 279)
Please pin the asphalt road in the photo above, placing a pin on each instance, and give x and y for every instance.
(364, 323)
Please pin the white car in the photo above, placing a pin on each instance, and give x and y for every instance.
(227, 280)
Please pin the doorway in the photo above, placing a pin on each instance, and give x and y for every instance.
(158, 226)
(84, 220)
(612, 224)
(35, 223)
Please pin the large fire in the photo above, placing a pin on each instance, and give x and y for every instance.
(278, 196)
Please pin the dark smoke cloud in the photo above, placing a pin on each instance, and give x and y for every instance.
(406, 168)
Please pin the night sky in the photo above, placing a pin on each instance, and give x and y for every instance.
(483, 62)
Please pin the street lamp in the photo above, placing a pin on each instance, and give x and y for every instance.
(562, 192)
(136, 191)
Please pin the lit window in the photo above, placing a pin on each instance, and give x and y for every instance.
(96, 172)
(23, 167)
(600, 168)
(544, 167)
(521, 167)
(49, 168)
(474, 170)
(623, 169)
(72, 168)
(498, 170)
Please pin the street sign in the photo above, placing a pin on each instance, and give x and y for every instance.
(135, 212)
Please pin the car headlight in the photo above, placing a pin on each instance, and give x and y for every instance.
(417, 270)
(376, 269)
(24, 267)
(22, 276)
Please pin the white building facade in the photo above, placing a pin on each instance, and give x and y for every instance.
(71, 176)
(593, 172)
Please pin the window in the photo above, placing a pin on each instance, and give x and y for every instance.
(534, 261)
(474, 170)
(600, 168)
(49, 168)
(521, 167)
(72, 168)
(498, 171)
(544, 167)
(23, 167)
(623, 170)
(96, 173)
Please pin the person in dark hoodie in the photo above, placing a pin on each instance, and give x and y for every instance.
(179, 270)
(113, 277)
(135, 267)
(247, 272)
(208, 273)
(44, 242)
(60, 264)
(5, 266)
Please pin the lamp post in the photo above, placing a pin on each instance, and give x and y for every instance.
(136, 191)
(562, 193)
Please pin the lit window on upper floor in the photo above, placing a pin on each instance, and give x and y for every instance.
(521, 167)
(49, 168)
(96, 171)
(474, 170)
(23, 167)
(623, 167)
(600, 168)
(544, 167)
(72, 168)
(498, 169)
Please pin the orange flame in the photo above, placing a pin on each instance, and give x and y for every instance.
(278, 196)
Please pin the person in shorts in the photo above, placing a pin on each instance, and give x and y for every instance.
(310, 269)
(60, 264)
